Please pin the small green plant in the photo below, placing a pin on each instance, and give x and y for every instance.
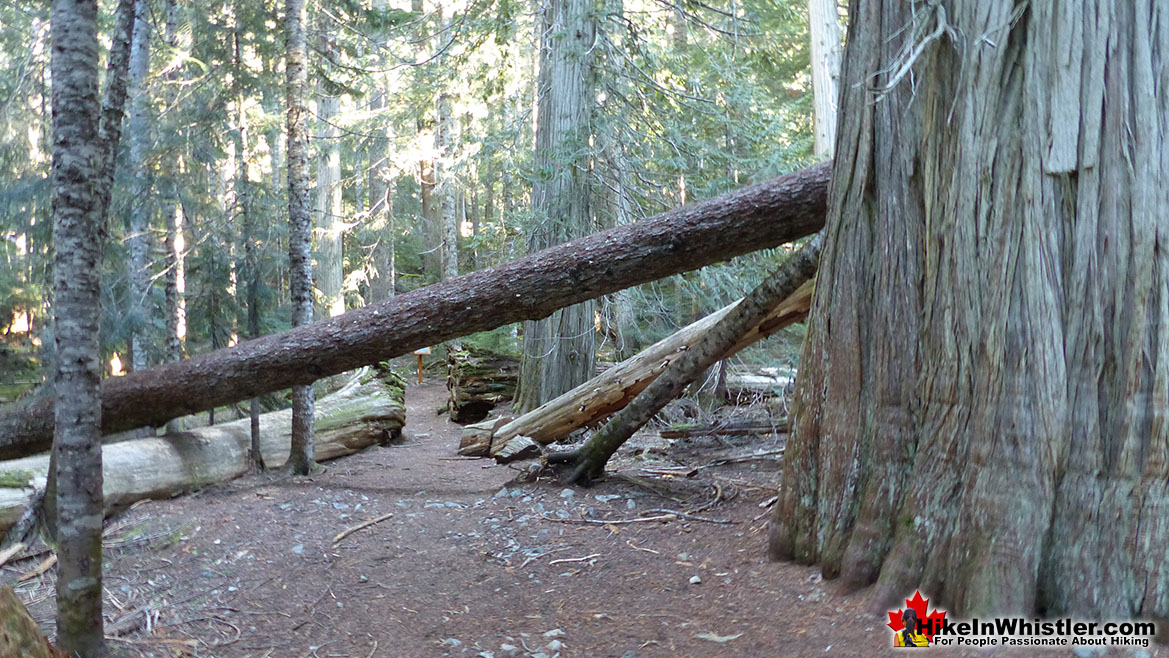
(15, 479)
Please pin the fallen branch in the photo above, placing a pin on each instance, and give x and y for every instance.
(360, 526)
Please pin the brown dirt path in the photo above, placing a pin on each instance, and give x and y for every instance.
(468, 566)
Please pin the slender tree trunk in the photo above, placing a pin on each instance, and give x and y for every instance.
(139, 138)
(300, 223)
(444, 143)
(381, 196)
(715, 342)
(628, 340)
(251, 265)
(559, 351)
(174, 283)
(980, 409)
(431, 230)
(85, 136)
(824, 26)
(330, 229)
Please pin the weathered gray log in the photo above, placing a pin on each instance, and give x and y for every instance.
(366, 411)
(609, 392)
(753, 218)
(479, 380)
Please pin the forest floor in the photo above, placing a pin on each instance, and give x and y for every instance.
(473, 564)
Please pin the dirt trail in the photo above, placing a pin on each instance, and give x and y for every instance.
(468, 566)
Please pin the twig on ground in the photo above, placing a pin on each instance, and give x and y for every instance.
(687, 515)
(7, 554)
(40, 568)
(575, 559)
(364, 524)
(630, 544)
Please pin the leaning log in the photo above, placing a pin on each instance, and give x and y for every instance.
(705, 352)
(610, 391)
(368, 410)
(757, 217)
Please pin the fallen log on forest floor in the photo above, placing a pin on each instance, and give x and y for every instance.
(757, 217)
(724, 429)
(479, 380)
(609, 392)
(368, 410)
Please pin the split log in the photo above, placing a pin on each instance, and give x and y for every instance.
(479, 380)
(754, 308)
(726, 429)
(609, 392)
(757, 217)
(368, 410)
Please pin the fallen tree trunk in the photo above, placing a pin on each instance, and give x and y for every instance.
(610, 391)
(478, 381)
(757, 217)
(368, 410)
(754, 308)
(724, 429)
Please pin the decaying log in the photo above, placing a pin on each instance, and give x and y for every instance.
(757, 217)
(476, 440)
(707, 350)
(478, 381)
(724, 429)
(610, 391)
(368, 410)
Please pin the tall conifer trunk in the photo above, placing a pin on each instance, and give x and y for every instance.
(980, 410)
(559, 351)
(300, 263)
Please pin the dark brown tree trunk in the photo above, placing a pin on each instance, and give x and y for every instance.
(715, 342)
(757, 217)
(85, 136)
(980, 409)
(300, 230)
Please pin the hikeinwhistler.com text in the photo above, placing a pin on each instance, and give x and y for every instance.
(1020, 632)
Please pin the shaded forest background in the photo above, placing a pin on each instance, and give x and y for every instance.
(423, 128)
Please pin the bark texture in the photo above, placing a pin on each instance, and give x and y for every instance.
(560, 350)
(78, 233)
(757, 217)
(705, 352)
(300, 264)
(998, 435)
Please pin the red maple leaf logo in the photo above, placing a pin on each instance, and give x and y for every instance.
(930, 622)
